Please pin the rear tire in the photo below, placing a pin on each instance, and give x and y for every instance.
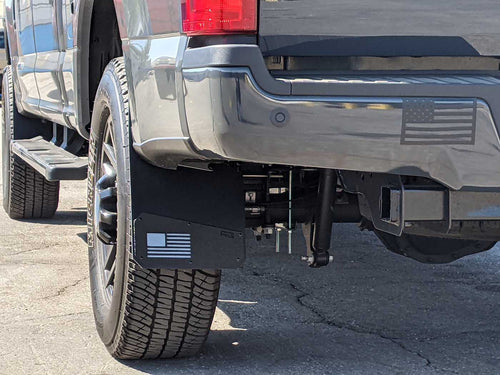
(26, 193)
(139, 313)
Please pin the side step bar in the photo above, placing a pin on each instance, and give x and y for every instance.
(53, 162)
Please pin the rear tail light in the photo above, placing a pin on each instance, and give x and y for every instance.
(218, 17)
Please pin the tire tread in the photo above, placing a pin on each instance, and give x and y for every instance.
(166, 313)
(30, 195)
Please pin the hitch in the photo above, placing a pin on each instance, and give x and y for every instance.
(318, 233)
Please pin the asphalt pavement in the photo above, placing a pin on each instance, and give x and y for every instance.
(371, 312)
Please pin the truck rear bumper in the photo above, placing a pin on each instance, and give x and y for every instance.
(438, 125)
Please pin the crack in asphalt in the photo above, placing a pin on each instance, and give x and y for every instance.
(394, 340)
(26, 251)
(49, 317)
(323, 320)
(62, 290)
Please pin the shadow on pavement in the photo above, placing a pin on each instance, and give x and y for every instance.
(73, 217)
(372, 312)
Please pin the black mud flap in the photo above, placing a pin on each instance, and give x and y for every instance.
(187, 218)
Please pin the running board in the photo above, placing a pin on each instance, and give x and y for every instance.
(51, 161)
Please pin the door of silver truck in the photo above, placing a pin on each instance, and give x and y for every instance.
(23, 55)
(46, 18)
(68, 52)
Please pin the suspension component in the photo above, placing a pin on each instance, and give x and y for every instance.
(278, 197)
(319, 233)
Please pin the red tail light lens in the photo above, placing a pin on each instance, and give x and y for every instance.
(216, 17)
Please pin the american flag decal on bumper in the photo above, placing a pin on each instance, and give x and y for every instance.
(439, 121)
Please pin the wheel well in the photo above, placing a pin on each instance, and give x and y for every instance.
(104, 44)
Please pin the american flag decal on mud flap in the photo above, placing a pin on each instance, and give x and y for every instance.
(439, 121)
(169, 245)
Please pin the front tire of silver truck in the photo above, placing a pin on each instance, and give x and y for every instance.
(139, 313)
(26, 193)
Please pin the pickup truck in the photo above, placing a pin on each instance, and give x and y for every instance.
(193, 120)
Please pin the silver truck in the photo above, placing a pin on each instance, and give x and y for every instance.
(3, 55)
(195, 119)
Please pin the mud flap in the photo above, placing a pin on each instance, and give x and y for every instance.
(187, 218)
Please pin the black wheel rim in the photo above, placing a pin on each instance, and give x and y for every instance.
(106, 210)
